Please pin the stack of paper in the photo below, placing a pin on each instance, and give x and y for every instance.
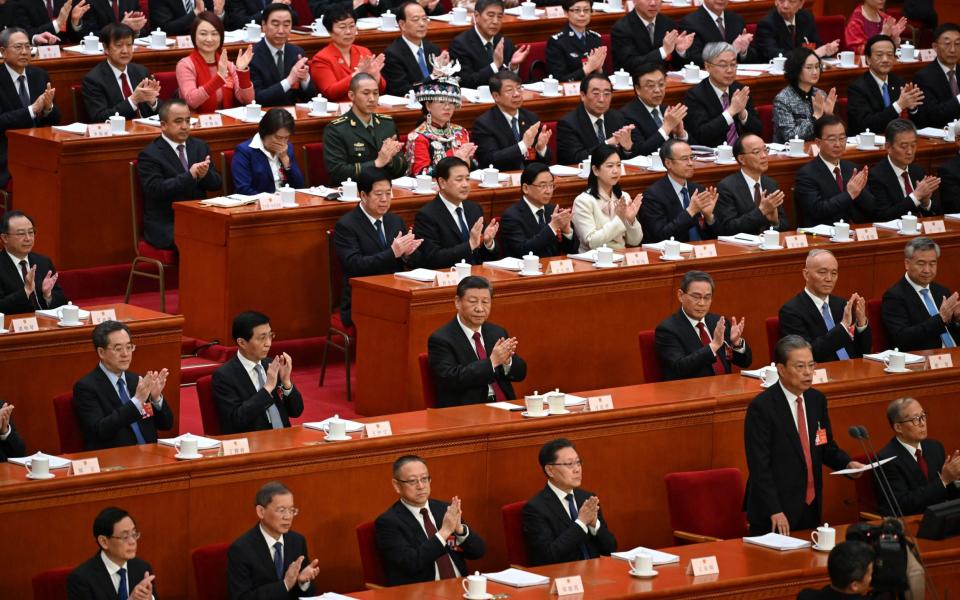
(55, 461)
(932, 132)
(389, 100)
(776, 541)
(79, 48)
(320, 190)
(478, 176)
(203, 443)
(878, 140)
(742, 239)
(591, 256)
(154, 121)
(954, 216)
(328, 596)
(571, 400)
(472, 95)
(824, 230)
(54, 313)
(231, 201)
(684, 247)
(368, 23)
(893, 225)
(640, 162)
(509, 263)
(911, 359)
(424, 275)
(659, 558)
(868, 467)
(517, 578)
(564, 171)
(236, 36)
(755, 373)
(77, 128)
(679, 75)
(505, 406)
(352, 426)
(145, 41)
(240, 113)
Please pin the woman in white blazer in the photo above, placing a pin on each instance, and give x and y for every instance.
(604, 214)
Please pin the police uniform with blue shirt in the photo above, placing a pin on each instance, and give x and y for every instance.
(567, 50)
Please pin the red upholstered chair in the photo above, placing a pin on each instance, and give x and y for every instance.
(880, 340)
(210, 571)
(193, 366)
(534, 66)
(608, 63)
(513, 533)
(773, 334)
(830, 27)
(304, 14)
(208, 408)
(841, 108)
(145, 8)
(765, 112)
(693, 519)
(169, 88)
(427, 382)
(552, 144)
(752, 28)
(314, 164)
(226, 172)
(339, 336)
(51, 585)
(144, 252)
(79, 108)
(649, 358)
(68, 427)
(374, 577)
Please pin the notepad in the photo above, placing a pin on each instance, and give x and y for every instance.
(591, 256)
(911, 359)
(422, 275)
(508, 263)
(659, 558)
(75, 128)
(742, 239)
(775, 541)
(932, 132)
(55, 461)
(564, 171)
(823, 230)
(517, 578)
(231, 201)
(54, 313)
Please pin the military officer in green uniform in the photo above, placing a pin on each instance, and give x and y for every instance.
(361, 137)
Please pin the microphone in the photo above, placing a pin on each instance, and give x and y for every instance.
(895, 505)
(859, 433)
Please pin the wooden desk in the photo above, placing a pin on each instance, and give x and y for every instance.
(484, 455)
(54, 171)
(35, 367)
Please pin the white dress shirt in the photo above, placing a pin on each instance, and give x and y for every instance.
(468, 332)
(562, 497)
(534, 209)
(452, 209)
(270, 541)
(116, 79)
(792, 405)
(415, 511)
(284, 82)
(275, 165)
(903, 190)
(16, 262)
(16, 85)
(896, 105)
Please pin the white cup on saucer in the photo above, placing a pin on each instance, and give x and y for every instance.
(462, 269)
(475, 586)
(483, 93)
(459, 15)
(336, 428)
(288, 196)
(91, 43)
(348, 189)
(252, 31)
(187, 446)
(551, 86)
(895, 360)
(621, 79)
(534, 404)
(841, 231)
(797, 147)
(556, 401)
(777, 64)
(528, 10)
(691, 73)
(318, 28)
(950, 132)
(724, 153)
(769, 375)
(907, 52)
(424, 184)
(908, 223)
(38, 467)
(771, 238)
(69, 314)
(868, 141)
(671, 249)
(604, 256)
(318, 104)
(656, 163)
(491, 176)
(531, 263)
(252, 112)
(388, 21)
(847, 59)
(584, 168)
(641, 563)
(118, 124)
(825, 537)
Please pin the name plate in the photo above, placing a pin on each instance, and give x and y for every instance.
(558, 267)
(85, 466)
(99, 316)
(928, 54)
(48, 52)
(24, 325)
(796, 241)
(235, 447)
(564, 586)
(633, 259)
(595, 403)
(98, 130)
(570, 88)
(378, 429)
(270, 202)
(213, 120)
(183, 41)
(705, 250)
(555, 12)
(930, 227)
(706, 565)
(820, 376)
(445, 279)
(866, 234)
(940, 361)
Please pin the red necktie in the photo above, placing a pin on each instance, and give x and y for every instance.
(482, 355)
(836, 172)
(805, 444)
(922, 463)
(718, 368)
(116, 10)
(444, 563)
(125, 88)
(906, 183)
(50, 12)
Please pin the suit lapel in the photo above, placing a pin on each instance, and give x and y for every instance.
(363, 225)
(783, 412)
(559, 508)
(413, 526)
(103, 581)
(107, 390)
(816, 319)
(167, 153)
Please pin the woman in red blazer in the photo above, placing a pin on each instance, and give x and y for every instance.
(333, 67)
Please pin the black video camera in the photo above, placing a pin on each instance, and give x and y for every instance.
(890, 549)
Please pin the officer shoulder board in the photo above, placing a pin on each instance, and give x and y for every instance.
(339, 120)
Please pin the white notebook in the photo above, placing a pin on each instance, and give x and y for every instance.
(517, 578)
(776, 541)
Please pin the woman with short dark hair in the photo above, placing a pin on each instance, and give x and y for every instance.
(332, 67)
(266, 162)
(799, 104)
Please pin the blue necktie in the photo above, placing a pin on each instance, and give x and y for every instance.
(932, 309)
(515, 124)
(124, 399)
(380, 236)
(422, 61)
(540, 220)
(122, 593)
(574, 515)
(464, 231)
(885, 92)
(278, 559)
(694, 232)
(828, 319)
(273, 413)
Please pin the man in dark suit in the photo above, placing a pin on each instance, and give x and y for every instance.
(63, 24)
(172, 168)
(949, 173)
(922, 473)
(879, 95)
(270, 561)
(474, 361)
(21, 269)
(837, 329)
(693, 342)
(713, 23)
(939, 80)
(118, 86)
(749, 201)
(175, 17)
(121, 12)
(787, 439)
(675, 207)
(242, 12)
(653, 123)
(114, 571)
(575, 51)
(482, 50)
(564, 522)
(919, 313)
(850, 565)
(421, 539)
(26, 98)
(897, 183)
(115, 406)
(361, 8)
(276, 86)
(593, 123)
(252, 392)
(828, 188)
(451, 226)
(509, 136)
(408, 58)
(788, 26)
(534, 225)
(719, 108)
(646, 36)
(11, 444)
(369, 239)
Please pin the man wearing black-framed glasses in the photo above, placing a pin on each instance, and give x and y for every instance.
(114, 571)
(28, 281)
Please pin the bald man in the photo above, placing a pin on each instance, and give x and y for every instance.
(837, 329)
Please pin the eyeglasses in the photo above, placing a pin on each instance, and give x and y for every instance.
(698, 298)
(130, 535)
(546, 185)
(22, 233)
(417, 481)
(284, 511)
(20, 47)
(917, 420)
(725, 66)
(655, 85)
(601, 93)
(580, 11)
(569, 465)
(121, 348)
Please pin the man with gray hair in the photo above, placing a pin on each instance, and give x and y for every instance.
(897, 183)
(362, 138)
(923, 474)
(918, 313)
(836, 328)
(787, 440)
(719, 109)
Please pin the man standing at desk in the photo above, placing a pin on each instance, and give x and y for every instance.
(115, 571)
(172, 168)
(473, 360)
(22, 269)
(787, 439)
(563, 522)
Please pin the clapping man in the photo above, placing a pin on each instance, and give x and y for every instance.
(749, 201)
(593, 123)
(938, 80)
(719, 109)
(713, 23)
(879, 96)
(28, 281)
(788, 26)
(645, 35)
(675, 207)
(175, 17)
(118, 86)
(56, 22)
(482, 50)
(533, 224)
(653, 122)
(509, 136)
(897, 183)
(115, 571)
(280, 71)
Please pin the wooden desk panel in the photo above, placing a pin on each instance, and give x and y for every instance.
(35, 367)
(484, 455)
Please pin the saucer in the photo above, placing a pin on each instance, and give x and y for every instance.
(610, 266)
(480, 597)
(180, 456)
(65, 324)
(662, 257)
(727, 162)
(490, 187)
(792, 155)
(331, 438)
(762, 247)
(291, 205)
(40, 477)
(560, 412)
(526, 414)
(846, 241)
(657, 169)
(867, 148)
(902, 232)
(889, 370)
(557, 95)
(643, 574)
(530, 273)
(819, 549)
(4, 330)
